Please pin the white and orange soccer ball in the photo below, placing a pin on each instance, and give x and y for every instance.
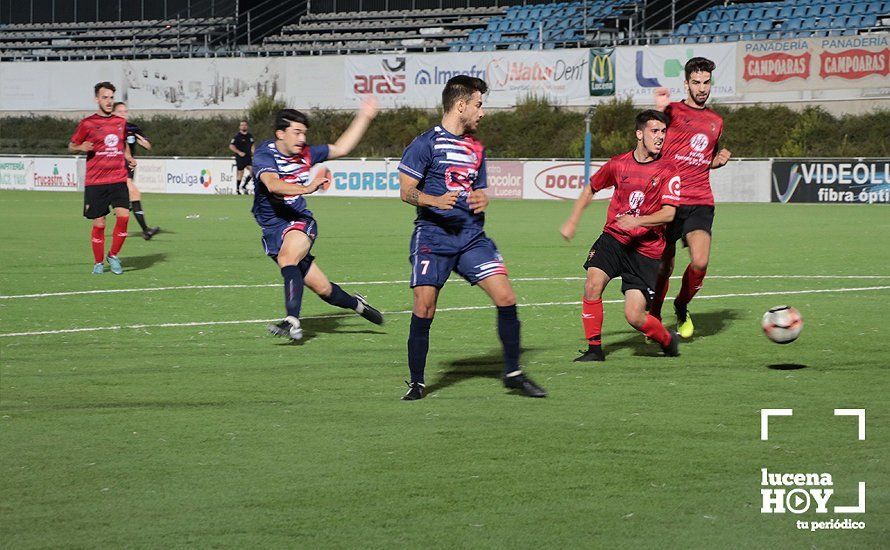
(782, 324)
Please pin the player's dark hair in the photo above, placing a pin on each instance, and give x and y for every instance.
(106, 85)
(651, 114)
(117, 104)
(286, 117)
(461, 87)
(699, 64)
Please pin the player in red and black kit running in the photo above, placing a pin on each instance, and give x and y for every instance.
(646, 197)
(692, 144)
(102, 136)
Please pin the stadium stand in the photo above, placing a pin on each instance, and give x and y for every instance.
(369, 31)
(549, 26)
(110, 39)
(787, 19)
(290, 30)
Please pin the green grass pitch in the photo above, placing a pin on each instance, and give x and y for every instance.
(197, 429)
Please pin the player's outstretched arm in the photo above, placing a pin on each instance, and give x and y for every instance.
(662, 99)
(143, 142)
(350, 138)
(409, 193)
(84, 147)
(721, 158)
(275, 185)
(581, 203)
(663, 216)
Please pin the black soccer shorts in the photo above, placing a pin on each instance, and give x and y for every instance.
(615, 258)
(97, 199)
(688, 219)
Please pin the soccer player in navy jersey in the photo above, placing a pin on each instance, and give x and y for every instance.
(646, 197)
(281, 174)
(135, 136)
(692, 144)
(442, 173)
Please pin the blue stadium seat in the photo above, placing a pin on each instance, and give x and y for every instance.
(860, 9)
(715, 16)
(868, 21)
(845, 9)
(785, 12)
(764, 26)
(771, 12)
(838, 22)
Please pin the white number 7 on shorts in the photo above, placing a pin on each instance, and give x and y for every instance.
(424, 265)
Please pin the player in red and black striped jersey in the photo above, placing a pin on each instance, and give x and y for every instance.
(692, 144)
(102, 136)
(645, 198)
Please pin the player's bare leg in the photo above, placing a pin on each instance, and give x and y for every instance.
(97, 241)
(699, 242)
(592, 315)
(118, 236)
(665, 271)
(294, 248)
(640, 319)
(500, 291)
(424, 309)
(331, 293)
(136, 207)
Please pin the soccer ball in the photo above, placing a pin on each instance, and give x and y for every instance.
(782, 324)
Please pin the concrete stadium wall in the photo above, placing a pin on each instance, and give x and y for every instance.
(842, 70)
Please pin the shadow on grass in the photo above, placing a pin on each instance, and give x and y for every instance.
(706, 324)
(331, 325)
(786, 366)
(135, 263)
(490, 365)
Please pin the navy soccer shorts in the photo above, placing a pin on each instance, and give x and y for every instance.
(437, 251)
(273, 235)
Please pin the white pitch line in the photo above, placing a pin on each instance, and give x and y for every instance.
(366, 283)
(404, 312)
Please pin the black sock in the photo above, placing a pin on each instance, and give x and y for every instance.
(246, 181)
(418, 345)
(293, 289)
(136, 207)
(340, 298)
(508, 331)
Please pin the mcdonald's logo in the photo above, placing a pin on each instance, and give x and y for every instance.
(602, 71)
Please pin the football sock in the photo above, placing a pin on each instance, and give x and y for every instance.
(418, 345)
(340, 298)
(97, 239)
(119, 235)
(654, 329)
(246, 181)
(692, 282)
(508, 332)
(136, 207)
(661, 290)
(592, 320)
(293, 289)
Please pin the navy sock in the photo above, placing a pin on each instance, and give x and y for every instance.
(293, 289)
(340, 298)
(418, 345)
(508, 331)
